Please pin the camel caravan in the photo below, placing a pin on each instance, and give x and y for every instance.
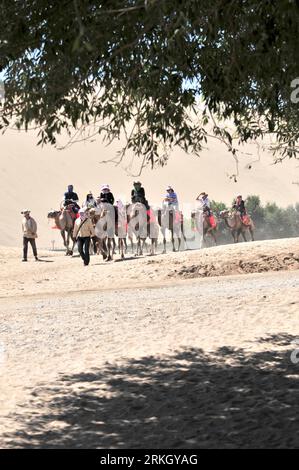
(100, 221)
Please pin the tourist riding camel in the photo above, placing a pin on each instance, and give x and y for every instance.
(239, 206)
(70, 194)
(204, 203)
(106, 195)
(89, 202)
(171, 199)
(138, 194)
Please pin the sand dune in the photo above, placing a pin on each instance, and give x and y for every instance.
(37, 177)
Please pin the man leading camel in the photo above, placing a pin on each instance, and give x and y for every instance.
(29, 227)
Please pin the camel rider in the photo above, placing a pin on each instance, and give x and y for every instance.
(239, 206)
(205, 204)
(70, 199)
(138, 194)
(106, 195)
(90, 201)
(171, 198)
(70, 194)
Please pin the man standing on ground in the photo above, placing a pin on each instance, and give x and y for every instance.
(29, 228)
(83, 231)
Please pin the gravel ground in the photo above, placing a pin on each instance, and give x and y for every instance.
(200, 363)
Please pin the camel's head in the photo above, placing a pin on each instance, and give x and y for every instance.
(224, 214)
(91, 212)
(53, 214)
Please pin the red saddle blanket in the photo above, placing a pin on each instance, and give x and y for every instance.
(246, 219)
(151, 216)
(178, 217)
(212, 221)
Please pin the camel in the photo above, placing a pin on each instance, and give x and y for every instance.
(104, 223)
(142, 224)
(203, 226)
(65, 223)
(172, 220)
(236, 226)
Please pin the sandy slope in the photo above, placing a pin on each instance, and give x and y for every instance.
(133, 354)
(37, 177)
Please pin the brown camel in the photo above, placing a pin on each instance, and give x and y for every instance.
(65, 223)
(203, 225)
(236, 225)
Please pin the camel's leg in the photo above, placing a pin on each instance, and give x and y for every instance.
(122, 247)
(244, 235)
(172, 241)
(63, 237)
(132, 243)
(154, 246)
(114, 246)
(94, 245)
(184, 237)
(137, 246)
(68, 251)
(142, 245)
(111, 246)
(164, 241)
(213, 235)
(125, 244)
(251, 233)
(73, 246)
(104, 248)
(179, 243)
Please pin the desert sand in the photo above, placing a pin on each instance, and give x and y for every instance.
(184, 350)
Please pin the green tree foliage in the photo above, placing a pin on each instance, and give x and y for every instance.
(158, 70)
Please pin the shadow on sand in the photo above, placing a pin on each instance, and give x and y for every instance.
(231, 398)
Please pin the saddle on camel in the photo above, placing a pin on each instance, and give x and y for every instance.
(72, 207)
